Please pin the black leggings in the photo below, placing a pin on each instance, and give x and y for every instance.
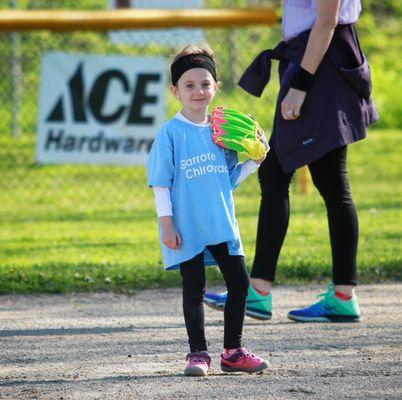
(329, 175)
(236, 277)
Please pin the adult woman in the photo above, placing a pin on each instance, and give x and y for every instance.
(323, 106)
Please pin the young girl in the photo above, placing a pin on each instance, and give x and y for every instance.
(193, 179)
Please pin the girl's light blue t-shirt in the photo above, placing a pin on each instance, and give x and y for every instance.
(201, 177)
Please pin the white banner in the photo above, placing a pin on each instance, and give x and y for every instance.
(168, 37)
(100, 109)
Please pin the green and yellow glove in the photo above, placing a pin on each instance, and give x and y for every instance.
(240, 132)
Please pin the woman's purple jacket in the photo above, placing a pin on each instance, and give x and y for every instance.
(337, 109)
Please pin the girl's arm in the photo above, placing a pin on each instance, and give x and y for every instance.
(238, 172)
(317, 45)
(243, 170)
(247, 168)
(163, 203)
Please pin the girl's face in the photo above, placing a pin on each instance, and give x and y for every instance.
(195, 89)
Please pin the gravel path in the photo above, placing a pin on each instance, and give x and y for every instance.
(109, 346)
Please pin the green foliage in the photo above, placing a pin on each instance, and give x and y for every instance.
(82, 228)
(383, 10)
(74, 228)
(380, 31)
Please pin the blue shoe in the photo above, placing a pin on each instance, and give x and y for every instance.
(216, 300)
(329, 309)
(257, 306)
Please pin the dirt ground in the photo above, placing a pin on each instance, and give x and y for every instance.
(109, 346)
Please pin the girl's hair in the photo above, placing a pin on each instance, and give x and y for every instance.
(192, 49)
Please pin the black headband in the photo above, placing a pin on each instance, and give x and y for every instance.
(183, 64)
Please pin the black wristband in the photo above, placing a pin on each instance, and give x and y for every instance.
(302, 80)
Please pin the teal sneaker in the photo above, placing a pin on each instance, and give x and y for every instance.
(329, 309)
(257, 306)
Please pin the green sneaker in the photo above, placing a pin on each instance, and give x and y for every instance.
(257, 306)
(329, 309)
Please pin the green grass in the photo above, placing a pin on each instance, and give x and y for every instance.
(66, 229)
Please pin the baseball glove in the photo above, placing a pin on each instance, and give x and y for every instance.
(240, 132)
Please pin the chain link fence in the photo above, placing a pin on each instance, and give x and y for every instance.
(28, 187)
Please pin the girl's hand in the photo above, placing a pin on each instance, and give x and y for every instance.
(260, 160)
(291, 104)
(262, 139)
(170, 236)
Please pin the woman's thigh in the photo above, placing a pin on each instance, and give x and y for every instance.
(271, 172)
(329, 175)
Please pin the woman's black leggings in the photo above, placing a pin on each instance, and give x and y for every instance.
(329, 174)
(236, 277)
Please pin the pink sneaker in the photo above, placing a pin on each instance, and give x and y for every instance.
(242, 361)
(197, 364)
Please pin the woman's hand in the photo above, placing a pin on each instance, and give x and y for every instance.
(292, 103)
(317, 45)
(170, 236)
